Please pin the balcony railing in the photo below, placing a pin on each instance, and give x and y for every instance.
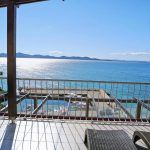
(78, 99)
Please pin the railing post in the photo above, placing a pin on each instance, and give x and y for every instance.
(87, 108)
(35, 103)
(11, 59)
(138, 111)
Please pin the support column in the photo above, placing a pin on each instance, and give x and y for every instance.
(87, 108)
(35, 103)
(11, 59)
(138, 110)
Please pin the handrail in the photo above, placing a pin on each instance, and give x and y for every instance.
(68, 106)
(90, 91)
(143, 104)
(122, 107)
(98, 81)
(18, 101)
(96, 109)
(42, 103)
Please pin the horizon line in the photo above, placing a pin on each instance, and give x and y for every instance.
(70, 57)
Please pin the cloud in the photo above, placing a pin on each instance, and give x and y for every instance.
(132, 53)
(56, 52)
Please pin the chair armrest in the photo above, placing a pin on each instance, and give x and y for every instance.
(145, 136)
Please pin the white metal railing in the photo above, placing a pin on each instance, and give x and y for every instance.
(79, 99)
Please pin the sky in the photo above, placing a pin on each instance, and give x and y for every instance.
(106, 29)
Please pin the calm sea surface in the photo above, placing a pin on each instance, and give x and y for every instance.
(79, 69)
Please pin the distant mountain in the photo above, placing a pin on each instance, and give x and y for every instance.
(22, 55)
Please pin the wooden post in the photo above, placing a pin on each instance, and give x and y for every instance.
(138, 110)
(35, 103)
(11, 59)
(87, 108)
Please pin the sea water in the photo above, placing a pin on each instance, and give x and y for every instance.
(80, 69)
(127, 71)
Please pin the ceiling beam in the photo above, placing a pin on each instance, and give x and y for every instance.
(19, 2)
(4, 3)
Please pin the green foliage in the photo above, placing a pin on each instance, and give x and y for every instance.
(1, 106)
(2, 91)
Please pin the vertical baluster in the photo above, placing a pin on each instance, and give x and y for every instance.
(104, 106)
(58, 99)
(25, 99)
(20, 89)
(87, 103)
(35, 90)
(30, 99)
(99, 102)
(42, 91)
(64, 92)
(118, 95)
(140, 106)
(81, 98)
(92, 102)
(47, 100)
(52, 100)
(112, 104)
(124, 96)
(128, 97)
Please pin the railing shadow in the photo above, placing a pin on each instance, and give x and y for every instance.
(7, 141)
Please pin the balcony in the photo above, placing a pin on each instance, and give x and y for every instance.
(55, 113)
(55, 134)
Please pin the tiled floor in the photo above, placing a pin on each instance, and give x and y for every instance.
(49, 135)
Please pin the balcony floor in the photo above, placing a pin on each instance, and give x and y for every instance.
(57, 135)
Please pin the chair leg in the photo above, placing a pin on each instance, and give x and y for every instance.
(85, 140)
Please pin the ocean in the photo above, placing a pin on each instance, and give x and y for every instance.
(126, 71)
(80, 69)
